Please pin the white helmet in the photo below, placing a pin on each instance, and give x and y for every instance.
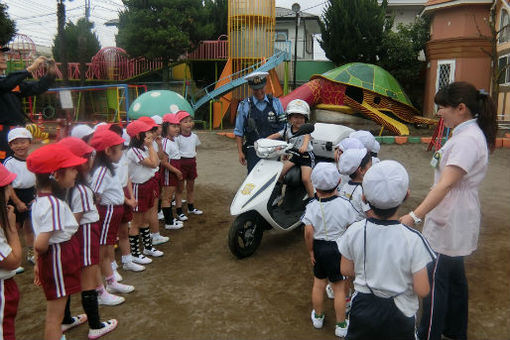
(298, 106)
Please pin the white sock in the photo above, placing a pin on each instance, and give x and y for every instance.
(126, 259)
(114, 265)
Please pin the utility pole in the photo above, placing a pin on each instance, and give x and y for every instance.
(87, 9)
(61, 21)
(295, 8)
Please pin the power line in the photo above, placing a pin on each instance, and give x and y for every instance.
(47, 14)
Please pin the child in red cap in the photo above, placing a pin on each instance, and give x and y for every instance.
(10, 257)
(143, 165)
(187, 142)
(56, 244)
(106, 184)
(81, 201)
(171, 173)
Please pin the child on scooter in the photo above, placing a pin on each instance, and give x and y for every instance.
(326, 219)
(298, 113)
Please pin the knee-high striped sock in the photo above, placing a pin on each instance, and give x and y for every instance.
(146, 238)
(133, 243)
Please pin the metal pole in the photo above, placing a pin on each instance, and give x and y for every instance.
(295, 52)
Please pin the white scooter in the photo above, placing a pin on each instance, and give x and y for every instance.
(254, 203)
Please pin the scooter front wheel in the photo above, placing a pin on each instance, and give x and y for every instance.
(245, 234)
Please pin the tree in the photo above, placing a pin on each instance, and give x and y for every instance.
(352, 30)
(217, 16)
(7, 26)
(162, 28)
(81, 44)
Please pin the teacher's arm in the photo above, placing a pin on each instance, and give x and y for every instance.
(450, 176)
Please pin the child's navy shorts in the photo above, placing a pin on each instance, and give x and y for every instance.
(327, 260)
(304, 159)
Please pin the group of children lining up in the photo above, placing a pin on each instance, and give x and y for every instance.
(77, 198)
(352, 230)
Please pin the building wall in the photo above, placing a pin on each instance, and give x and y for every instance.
(459, 33)
(503, 49)
(404, 14)
(305, 38)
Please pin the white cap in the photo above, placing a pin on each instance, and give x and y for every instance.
(325, 176)
(157, 119)
(81, 130)
(349, 143)
(367, 139)
(18, 133)
(126, 137)
(385, 184)
(350, 160)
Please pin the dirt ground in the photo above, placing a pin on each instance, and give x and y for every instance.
(199, 290)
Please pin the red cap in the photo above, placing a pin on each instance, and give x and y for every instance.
(182, 114)
(103, 127)
(77, 146)
(171, 118)
(52, 157)
(149, 121)
(6, 177)
(137, 126)
(102, 139)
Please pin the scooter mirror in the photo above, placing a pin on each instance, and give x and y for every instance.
(305, 129)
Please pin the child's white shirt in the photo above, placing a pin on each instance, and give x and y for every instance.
(25, 179)
(329, 217)
(353, 192)
(188, 145)
(50, 214)
(171, 148)
(82, 201)
(108, 186)
(288, 135)
(121, 169)
(138, 172)
(5, 251)
(394, 252)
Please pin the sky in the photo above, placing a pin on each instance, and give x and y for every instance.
(38, 18)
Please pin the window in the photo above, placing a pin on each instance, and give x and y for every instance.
(504, 29)
(445, 73)
(504, 69)
(281, 35)
(309, 44)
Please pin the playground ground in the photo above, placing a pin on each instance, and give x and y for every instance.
(199, 290)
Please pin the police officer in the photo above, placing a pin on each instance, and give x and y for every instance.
(13, 88)
(258, 116)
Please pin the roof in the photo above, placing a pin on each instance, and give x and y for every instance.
(285, 13)
(437, 4)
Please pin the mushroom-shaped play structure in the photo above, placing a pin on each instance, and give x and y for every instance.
(158, 102)
(361, 88)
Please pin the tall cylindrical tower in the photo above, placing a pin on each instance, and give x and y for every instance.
(250, 34)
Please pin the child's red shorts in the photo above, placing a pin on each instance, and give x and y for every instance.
(127, 216)
(9, 299)
(88, 236)
(60, 269)
(156, 182)
(109, 221)
(144, 194)
(169, 179)
(188, 168)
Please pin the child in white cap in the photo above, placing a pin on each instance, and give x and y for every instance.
(23, 193)
(355, 163)
(82, 131)
(388, 260)
(369, 143)
(340, 148)
(326, 219)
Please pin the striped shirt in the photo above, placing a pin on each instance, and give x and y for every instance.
(5, 251)
(24, 179)
(82, 201)
(52, 215)
(107, 186)
(138, 172)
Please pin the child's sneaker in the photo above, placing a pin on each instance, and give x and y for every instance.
(161, 216)
(133, 267)
(157, 238)
(30, 256)
(77, 320)
(176, 224)
(182, 217)
(116, 287)
(195, 211)
(153, 252)
(117, 276)
(108, 326)
(141, 259)
(20, 270)
(341, 330)
(108, 299)
(317, 320)
(330, 292)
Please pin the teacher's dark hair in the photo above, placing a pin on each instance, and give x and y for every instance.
(480, 104)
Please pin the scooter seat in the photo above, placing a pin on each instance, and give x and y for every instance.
(293, 177)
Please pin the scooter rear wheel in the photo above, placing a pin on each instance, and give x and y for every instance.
(245, 234)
